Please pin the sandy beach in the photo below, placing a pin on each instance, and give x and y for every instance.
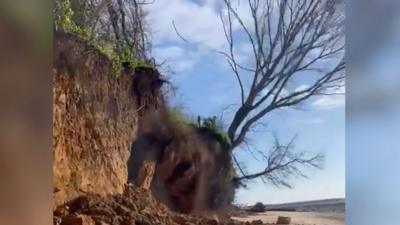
(304, 218)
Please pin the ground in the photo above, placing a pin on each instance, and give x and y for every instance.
(304, 218)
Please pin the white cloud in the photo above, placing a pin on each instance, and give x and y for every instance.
(301, 88)
(329, 102)
(199, 23)
(284, 92)
(312, 121)
(177, 58)
(168, 52)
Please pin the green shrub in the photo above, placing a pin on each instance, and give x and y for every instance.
(258, 207)
(126, 57)
(212, 126)
(176, 116)
(119, 56)
(63, 19)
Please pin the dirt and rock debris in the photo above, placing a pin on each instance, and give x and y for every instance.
(134, 207)
(189, 175)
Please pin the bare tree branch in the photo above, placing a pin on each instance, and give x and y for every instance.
(288, 38)
(177, 33)
(283, 163)
(291, 41)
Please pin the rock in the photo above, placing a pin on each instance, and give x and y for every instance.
(61, 211)
(78, 220)
(103, 220)
(143, 221)
(146, 173)
(179, 219)
(101, 223)
(122, 210)
(57, 220)
(257, 222)
(213, 222)
(283, 220)
(134, 207)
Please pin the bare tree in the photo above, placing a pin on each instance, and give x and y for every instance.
(290, 40)
(119, 25)
(127, 19)
(283, 162)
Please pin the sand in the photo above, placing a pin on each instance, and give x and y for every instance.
(304, 218)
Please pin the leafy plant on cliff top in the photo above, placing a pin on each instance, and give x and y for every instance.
(214, 128)
(120, 51)
(63, 19)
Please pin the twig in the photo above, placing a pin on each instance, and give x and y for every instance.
(176, 31)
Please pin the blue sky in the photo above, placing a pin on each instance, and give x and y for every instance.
(206, 86)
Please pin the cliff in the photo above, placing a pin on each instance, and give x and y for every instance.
(94, 121)
(105, 126)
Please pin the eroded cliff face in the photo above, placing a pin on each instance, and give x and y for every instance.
(100, 119)
(94, 122)
(191, 175)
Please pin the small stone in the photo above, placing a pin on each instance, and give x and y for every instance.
(62, 211)
(56, 220)
(257, 222)
(78, 220)
(101, 223)
(283, 220)
(62, 98)
(122, 210)
(213, 222)
(143, 221)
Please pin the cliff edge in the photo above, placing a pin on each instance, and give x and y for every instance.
(94, 121)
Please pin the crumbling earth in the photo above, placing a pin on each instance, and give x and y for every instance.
(135, 206)
(97, 116)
